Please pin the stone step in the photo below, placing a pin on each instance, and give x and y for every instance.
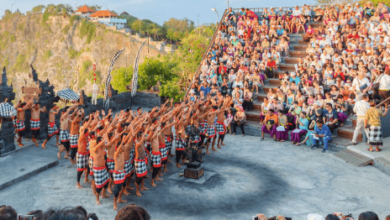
(267, 87)
(287, 67)
(291, 60)
(347, 132)
(274, 82)
(300, 54)
(253, 115)
(300, 48)
(316, 25)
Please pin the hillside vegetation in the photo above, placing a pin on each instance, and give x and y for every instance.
(62, 48)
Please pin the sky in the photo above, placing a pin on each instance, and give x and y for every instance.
(159, 11)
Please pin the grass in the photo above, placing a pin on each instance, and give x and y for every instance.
(73, 19)
(66, 29)
(6, 62)
(73, 53)
(87, 29)
(12, 38)
(20, 63)
(47, 55)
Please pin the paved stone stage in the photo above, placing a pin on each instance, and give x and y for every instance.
(249, 177)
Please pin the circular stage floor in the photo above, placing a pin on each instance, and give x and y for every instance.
(247, 176)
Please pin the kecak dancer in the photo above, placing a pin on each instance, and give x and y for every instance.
(220, 126)
(100, 173)
(156, 155)
(210, 129)
(64, 131)
(82, 152)
(20, 125)
(51, 126)
(119, 176)
(74, 134)
(180, 141)
(161, 139)
(35, 121)
(140, 163)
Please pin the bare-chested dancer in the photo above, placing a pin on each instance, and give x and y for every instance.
(51, 126)
(74, 134)
(35, 121)
(119, 176)
(161, 139)
(82, 152)
(220, 126)
(20, 125)
(64, 131)
(140, 163)
(210, 132)
(156, 154)
(180, 141)
(100, 173)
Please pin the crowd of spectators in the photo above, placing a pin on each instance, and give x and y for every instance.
(347, 62)
(130, 211)
(334, 216)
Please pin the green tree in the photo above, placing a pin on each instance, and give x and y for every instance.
(153, 70)
(38, 9)
(121, 78)
(172, 90)
(177, 29)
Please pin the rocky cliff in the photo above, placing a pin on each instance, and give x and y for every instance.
(63, 49)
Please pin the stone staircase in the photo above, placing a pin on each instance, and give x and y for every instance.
(342, 135)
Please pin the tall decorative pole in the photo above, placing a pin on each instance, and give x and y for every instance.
(95, 87)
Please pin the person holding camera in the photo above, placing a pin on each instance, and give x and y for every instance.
(239, 120)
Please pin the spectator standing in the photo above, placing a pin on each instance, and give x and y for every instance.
(239, 120)
(373, 123)
(360, 109)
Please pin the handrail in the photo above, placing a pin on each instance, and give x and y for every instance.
(205, 54)
(388, 98)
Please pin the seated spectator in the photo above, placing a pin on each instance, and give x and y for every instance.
(269, 124)
(301, 128)
(8, 213)
(330, 117)
(323, 134)
(281, 133)
(133, 212)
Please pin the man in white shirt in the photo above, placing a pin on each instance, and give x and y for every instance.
(238, 82)
(384, 85)
(360, 85)
(360, 109)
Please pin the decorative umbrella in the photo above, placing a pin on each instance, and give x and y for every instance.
(68, 95)
(7, 110)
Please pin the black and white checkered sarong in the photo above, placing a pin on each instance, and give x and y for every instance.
(35, 124)
(128, 167)
(180, 144)
(110, 165)
(210, 133)
(220, 128)
(74, 139)
(20, 125)
(140, 167)
(82, 161)
(375, 135)
(64, 135)
(164, 152)
(101, 177)
(52, 129)
(156, 159)
(90, 164)
(119, 176)
(168, 142)
(132, 155)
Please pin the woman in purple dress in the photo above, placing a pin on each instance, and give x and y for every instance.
(302, 124)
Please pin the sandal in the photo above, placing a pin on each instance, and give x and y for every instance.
(281, 140)
(378, 150)
(369, 149)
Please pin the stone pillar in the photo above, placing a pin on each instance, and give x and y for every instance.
(7, 132)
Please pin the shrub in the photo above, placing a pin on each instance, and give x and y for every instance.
(12, 38)
(47, 55)
(72, 53)
(87, 29)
